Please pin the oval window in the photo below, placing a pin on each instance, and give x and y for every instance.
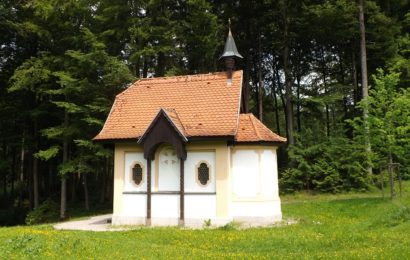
(137, 174)
(203, 174)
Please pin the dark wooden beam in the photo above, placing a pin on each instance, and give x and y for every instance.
(148, 221)
(181, 194)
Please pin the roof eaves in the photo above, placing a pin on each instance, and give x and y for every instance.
(105, 122)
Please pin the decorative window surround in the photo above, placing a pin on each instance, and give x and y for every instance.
(203, 168)
(132, 174)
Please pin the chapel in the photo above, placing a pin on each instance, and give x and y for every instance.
(185, 154)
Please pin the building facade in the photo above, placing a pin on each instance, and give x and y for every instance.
(184, 154)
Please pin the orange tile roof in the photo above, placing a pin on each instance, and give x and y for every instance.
(250, 129)
(205, 105)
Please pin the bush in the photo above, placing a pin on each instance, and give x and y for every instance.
(333, 165)
(44, 213)
(327, 179)
(290, 180)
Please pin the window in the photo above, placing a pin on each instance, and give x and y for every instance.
(203, 174)
(137, 174)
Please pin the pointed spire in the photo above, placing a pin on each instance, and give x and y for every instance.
(229, 55)
(230, 49)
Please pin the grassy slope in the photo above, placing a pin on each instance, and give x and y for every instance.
(346, 226)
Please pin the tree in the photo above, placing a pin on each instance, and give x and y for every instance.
(365, 94)
(389, 119)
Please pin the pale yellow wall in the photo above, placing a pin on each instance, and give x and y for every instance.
(223, 182)
(119, 164)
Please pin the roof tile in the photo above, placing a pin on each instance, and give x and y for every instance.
(250, 129)
(203, 109)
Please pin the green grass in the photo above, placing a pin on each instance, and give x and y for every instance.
(347, 226)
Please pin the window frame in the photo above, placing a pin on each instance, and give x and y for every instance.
(133, 164)
(197, 174)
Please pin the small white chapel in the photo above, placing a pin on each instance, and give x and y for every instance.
(185, 154)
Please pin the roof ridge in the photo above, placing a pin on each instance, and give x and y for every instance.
(269, 130)
(251, 117)
(183, 127)
(239, 105)
(191, 76)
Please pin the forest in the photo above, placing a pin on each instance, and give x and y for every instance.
(330, 75)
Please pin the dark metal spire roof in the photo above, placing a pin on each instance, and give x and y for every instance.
(230, 47)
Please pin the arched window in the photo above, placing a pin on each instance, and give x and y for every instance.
(137, 174)
(203, 176)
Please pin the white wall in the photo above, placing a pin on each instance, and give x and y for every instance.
(169, 167)
(255, 190)
(169, 170)
(257, 209)
(200, 206)
(194, 158)
(254, 173)
(245, 173)
(253, 178)
(135, 205)
(269, 171)
(130, 159)
(165, 206)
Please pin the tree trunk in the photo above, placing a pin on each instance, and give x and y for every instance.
(275, 100)
(102, 184)
(356, 97)
(111, 183)
(324, 73)
(29, 174)
(13, 171)
(160, 71)
(288, 82)
(63, 202)
(35, 182)
(35, 166)
(50, 178)
(365, 90)
(145, 68)
(86, 200)
(21, 179)
(260, 82)
(298, 105)
(245, 87)
(282, 98)
(73, 188)
(5, 185)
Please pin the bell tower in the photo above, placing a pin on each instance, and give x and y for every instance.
(230, 55)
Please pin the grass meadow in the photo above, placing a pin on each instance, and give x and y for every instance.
(346, 226)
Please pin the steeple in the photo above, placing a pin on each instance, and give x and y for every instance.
(230, 54)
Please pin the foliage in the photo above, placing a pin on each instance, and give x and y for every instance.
(389, 120)
(291, 180)
(342, 226)
(333, 165)
(44, 213)
(63, 63)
